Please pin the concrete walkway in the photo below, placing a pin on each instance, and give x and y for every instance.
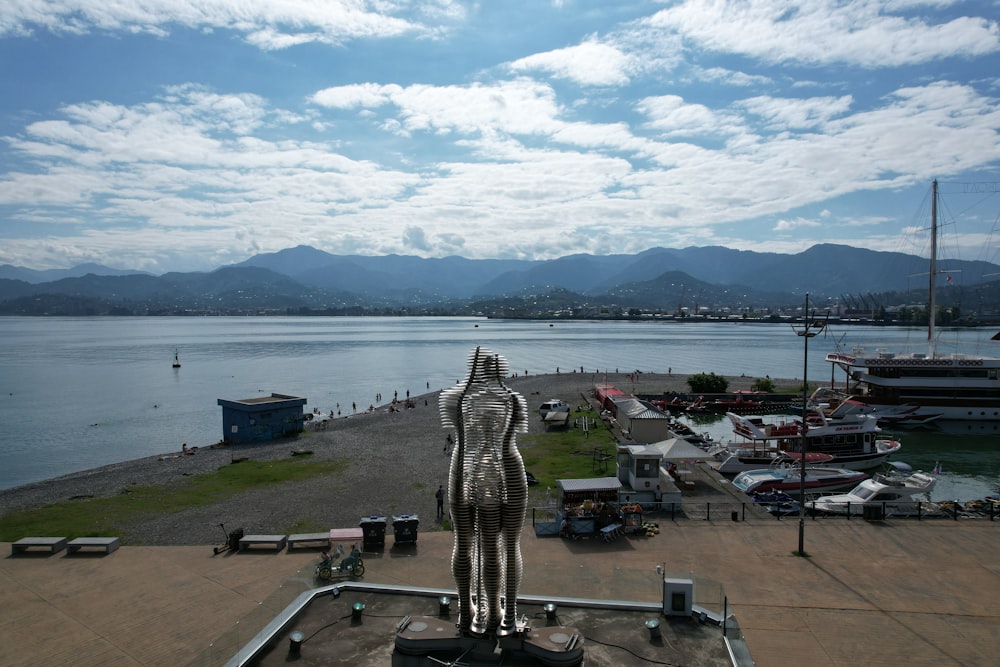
(890, 593)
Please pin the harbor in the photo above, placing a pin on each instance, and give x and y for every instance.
(812, 617)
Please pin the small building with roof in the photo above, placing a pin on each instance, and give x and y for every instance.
(641, 421)
(261, 418)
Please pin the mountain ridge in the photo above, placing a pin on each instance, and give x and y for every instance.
(671, 280)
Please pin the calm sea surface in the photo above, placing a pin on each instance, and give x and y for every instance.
(77, 393)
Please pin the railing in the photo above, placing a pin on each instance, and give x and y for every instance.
(541, 517)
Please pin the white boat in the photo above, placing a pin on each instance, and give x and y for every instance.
(851, 442)
(787, 477)
(953, 387)
(891, 415)
(892, 494)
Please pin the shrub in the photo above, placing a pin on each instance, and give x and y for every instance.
(708, 383)
(763, 384)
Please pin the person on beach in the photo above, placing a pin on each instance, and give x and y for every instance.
(440, 501)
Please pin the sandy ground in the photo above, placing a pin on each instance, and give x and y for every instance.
(395, 462)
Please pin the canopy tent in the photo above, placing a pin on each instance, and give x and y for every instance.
(680, 449)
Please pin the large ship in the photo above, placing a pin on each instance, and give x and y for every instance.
(952, 386)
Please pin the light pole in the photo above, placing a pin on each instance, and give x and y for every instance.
(806, 332)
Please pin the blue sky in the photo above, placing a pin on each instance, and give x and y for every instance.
(180, 135)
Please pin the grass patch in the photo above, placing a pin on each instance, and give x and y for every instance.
(105, 516)
(306, 526)
(567, 454)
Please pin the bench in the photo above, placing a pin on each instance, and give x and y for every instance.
(108, 544)
(276, 541)
(53, 544)
(346, 534)
(315, 539)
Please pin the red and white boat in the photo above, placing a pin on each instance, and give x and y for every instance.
(851, 442)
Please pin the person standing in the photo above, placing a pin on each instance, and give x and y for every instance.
(440, 501)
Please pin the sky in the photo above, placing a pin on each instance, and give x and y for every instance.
(184, 135)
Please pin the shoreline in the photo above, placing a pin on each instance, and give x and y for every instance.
(395, 463)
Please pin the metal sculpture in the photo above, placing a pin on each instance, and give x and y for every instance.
(488, 494)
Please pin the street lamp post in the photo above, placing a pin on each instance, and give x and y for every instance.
(806, 332)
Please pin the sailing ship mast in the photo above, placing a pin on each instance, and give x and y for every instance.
(932, 306)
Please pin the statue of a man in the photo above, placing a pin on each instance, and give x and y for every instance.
(488, 493)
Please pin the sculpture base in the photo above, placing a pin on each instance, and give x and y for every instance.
(422, 636)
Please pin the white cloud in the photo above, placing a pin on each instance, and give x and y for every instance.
(731, 77)
(204, 163)
(869, 33)
(589, 64)
(361, 95)
(521, 106)
(790, 225)
(265, 23)
(673, 117)
(415, 238)
(423, 150)
(783, 114)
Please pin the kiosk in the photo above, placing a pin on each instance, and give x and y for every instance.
(588, 507)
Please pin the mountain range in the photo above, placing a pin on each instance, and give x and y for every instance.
(669, 280)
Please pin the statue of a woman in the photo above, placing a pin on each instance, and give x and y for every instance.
(488, 494)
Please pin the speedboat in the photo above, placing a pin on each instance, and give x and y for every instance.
(893, 494)
(909, 414)
(788, 478)
(777, 503)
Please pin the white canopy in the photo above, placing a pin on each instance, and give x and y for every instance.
(679, 448)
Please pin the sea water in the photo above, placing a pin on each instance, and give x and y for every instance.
(77, 393)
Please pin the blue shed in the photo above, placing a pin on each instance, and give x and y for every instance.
(261, 418)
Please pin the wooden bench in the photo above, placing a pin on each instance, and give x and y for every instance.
(276, 541)
(108, 544)
(313, 539)
(53, 544)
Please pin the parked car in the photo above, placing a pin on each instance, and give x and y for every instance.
(552, 405)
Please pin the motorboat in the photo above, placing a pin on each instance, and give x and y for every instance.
(777, 503)
(851, 442)
(953, 387)
(787, 477)
(837, 404)
(891, 493)
(906, 415)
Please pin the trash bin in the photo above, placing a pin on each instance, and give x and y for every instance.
(373, 531)
(404, 527)
(872, 513)
(234, 539)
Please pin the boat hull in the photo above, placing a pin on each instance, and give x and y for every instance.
(733, 463)
(788, 480)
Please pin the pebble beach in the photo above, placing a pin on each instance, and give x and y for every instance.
(395, 461)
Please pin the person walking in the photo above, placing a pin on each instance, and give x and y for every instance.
(440, 502)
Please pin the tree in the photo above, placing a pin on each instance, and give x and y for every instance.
(708, 383)
(763, 384)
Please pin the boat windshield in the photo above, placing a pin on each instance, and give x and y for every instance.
(863, 492)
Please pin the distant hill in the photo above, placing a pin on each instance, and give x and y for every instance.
(49, 275)
(669, 280)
